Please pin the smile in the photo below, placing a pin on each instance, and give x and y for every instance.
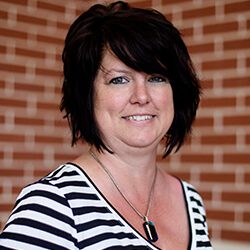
(139, 117)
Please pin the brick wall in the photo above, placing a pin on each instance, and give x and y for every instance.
(34, 139)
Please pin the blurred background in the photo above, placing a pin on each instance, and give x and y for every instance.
(34, 139)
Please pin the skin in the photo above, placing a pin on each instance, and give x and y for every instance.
(133, 111)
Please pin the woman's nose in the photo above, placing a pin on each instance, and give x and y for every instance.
(140, 93)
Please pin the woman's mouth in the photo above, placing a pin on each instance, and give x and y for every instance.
(139, 117)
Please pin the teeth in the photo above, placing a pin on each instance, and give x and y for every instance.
(139, 117)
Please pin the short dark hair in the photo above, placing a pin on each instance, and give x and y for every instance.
(144, 40)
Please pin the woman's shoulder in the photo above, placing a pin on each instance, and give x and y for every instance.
(47, 185)
(55, 178)
(52, 190)
(50, 196)
(43, 214)
(197, 217)
(194, 209)
(192, 195)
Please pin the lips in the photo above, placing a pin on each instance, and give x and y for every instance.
(139, 117)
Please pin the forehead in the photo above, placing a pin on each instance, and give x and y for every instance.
(109, 58)
(110, 62)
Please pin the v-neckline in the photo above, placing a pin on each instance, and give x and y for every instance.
(119, 215)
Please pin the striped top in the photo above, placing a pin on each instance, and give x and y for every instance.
(65, 210)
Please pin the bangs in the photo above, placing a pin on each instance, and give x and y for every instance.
(137, 45)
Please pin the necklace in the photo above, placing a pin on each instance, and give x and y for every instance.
(148, 225)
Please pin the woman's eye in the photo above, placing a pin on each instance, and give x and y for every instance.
(118, 80)
(157, 79)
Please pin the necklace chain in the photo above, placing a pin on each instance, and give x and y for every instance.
(150, 197)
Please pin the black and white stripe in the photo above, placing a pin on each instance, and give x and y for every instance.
(65, 210)
(197, 219)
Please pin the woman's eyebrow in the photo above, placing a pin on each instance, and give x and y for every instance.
(116, 70)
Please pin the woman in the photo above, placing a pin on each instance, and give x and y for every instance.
(129, 86)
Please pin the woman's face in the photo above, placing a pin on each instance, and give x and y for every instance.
(131, 108)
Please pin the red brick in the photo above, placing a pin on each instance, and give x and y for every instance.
(61, 123)
(21, 2)
(236, 196)
(159, 157)
(247, 101)
(219, 64)
(142, 4)
(29, 87)
(204, 122)
(65, 157)
(188, 140)
(62, 25)
(3, 14)
(199, 12)
(48, 139)
(30, 53)
(12, 68)
(237, 235)
(12, 138)
(13, 103)
(11, 172)
(16, 189)
(239, 44)
(58, 90)
(47, 106)
(220, 27)
(58, 58)
(247, 178)
(235, 82)
(2, 49)
(2, 119)
(39, 173)
(50, 39)
(220, 215)
(215, 102)
(47, 72)
(31, 20)
(206, 195)
(248, 24)
(246, 216)
(29, 121)
(197, 158)
(239, 120)
(218, 139)
(201, 48)
(27, 156)
(13, 33)
(238, 6)
(2, 84)
(187, 32)
(207, 84)
(247, 138)
(5, 207)
(217, 177)
(248, 62)
(166, 2)
(241, 158)
(50, 6)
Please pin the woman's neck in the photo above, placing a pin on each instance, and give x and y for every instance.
(135, 162)
(131, 172)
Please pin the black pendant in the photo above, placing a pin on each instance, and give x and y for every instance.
(150, 231)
